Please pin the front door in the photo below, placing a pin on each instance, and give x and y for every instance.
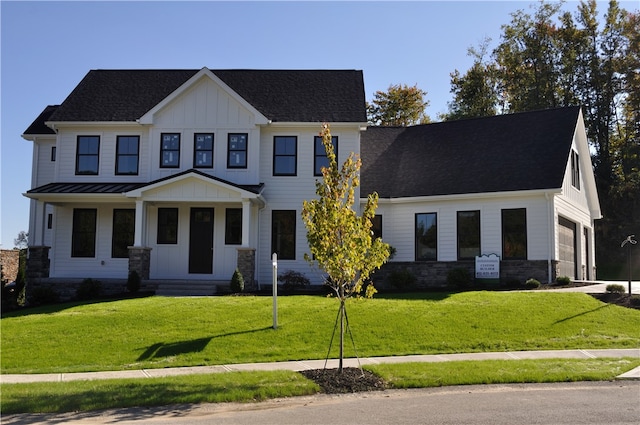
(201, 241)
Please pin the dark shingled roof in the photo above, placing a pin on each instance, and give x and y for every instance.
(280, 95)
(524, 151)
(37, 126)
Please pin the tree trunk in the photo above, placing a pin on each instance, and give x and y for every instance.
(342, 319)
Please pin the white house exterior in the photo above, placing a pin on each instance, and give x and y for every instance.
(186, 175)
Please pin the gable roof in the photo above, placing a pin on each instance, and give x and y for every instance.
(523, 151)
(38, 127)
(280, 95)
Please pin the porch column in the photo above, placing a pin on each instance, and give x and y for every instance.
(246, 222)
(138, 239)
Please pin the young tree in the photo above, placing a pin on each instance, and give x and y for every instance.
(400, 105)
(340, 241)
(22, 241)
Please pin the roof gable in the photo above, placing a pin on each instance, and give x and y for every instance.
(524, 151)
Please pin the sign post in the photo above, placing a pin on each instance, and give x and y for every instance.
(274, 263)
(630, 241)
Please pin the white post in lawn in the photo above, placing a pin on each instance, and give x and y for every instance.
(274, 262)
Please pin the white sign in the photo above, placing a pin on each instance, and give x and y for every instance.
(488, 267)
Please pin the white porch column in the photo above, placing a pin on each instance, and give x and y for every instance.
(139, 236)
(246, 222)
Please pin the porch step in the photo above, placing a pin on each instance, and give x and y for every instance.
(186, 288)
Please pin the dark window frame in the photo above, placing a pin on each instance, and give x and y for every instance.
(209, 163)
(320, 153)
(281, 235)
(376, 227)
(231, 151)
(163, 150)
(575, 169)
(120, 155)
(467, 236)
(422, 239)
(123, 232)
(286, 154)
(83, 232)
(167, 232)
(85, 153)
(514, 241)
(233, 226)
(53, 154)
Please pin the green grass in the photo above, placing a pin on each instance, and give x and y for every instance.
(61, 397)
(158, 332)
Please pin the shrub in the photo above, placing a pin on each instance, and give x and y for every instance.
(41, 295)
(133, 281)
(237, 282)
(89, 289)
(292, 279)
(563, 280)
(615, 288)
(532, 284)
(459, 277)
(402, 279)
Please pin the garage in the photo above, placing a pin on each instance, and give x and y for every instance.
(567, 247)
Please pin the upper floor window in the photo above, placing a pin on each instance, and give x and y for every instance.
(83, 232)
(320, 154)
(203, 150)
(167, 225)
(285, 151)
(233, 226)
(127, 151)
(468, 234)
(123, 232)
(87, 154)
(237, 150)
(514, 234)
(170, 150)
(426, 237)
(575, 169)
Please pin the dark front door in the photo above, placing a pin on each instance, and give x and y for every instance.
(201, 241)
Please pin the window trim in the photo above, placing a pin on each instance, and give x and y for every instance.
(79, 155)
(504, 234)
(122, 233)
(317, 171)
(228, 224)
(274, 235)
(162, 150)
(245, 150)
(160, 231)
(294, 156)
(118, 155)
(78, 235)
(415, 236)
(196, 150)
(479, 234)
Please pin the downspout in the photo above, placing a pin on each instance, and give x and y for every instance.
(550, 225)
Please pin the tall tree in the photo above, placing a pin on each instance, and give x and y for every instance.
(400, 105)
(340, 241)
(22, 241)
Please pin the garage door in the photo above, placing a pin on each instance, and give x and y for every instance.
(567, 247)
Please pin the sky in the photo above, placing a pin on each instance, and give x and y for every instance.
(47, 47)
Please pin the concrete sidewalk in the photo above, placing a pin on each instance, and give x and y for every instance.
(319, 364)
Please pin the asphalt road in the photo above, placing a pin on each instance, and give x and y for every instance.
(581, 403)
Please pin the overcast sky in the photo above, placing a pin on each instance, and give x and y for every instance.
(48, 47)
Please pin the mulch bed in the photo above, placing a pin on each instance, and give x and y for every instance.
(351, 380)
(623, 300)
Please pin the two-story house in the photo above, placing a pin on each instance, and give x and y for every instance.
(186, 175)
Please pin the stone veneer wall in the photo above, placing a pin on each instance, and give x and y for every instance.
(140, 261)
(434, 274)
(247, 266)
(38, 263)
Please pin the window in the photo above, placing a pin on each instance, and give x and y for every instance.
(127, 148)
(167, 225)
(283, 234)
(233, 226)
(203, 150)
(426, 237)
(468, 234)
(170, 150)
(237, 150)
(49, 221)
(575, 170)
(376, 226)
(320, 154)
(83, 234)
(285, 150)
(88, 149)
(53, 153)
(514, 234)
(124, 223)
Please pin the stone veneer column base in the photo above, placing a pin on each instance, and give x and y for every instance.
(38, 263)
(140, 261)
(247, 266)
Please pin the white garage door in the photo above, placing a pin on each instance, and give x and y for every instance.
(567, 247)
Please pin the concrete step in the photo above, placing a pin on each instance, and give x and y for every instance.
(186, 288)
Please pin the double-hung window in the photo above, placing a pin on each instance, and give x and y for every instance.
(426, 237)
(283, 234)
(170, 150)
(237, 150)
(127, 151)
(83, 232)
(468, 234)
(285, 151)
(87, 155)
(320, 158)
(203, 150)
(122, 235)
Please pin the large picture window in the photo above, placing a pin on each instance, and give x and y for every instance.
(468, 234)
(237, 150)
(203, 150)
(426, 237)
(83, 233)
(285, 151)
(170, 150)
(514, 234)
(283, 234)
(127, 151)
(87, 155)
(320, 154)
(124, 223)
(167, 225)
(233, 226)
